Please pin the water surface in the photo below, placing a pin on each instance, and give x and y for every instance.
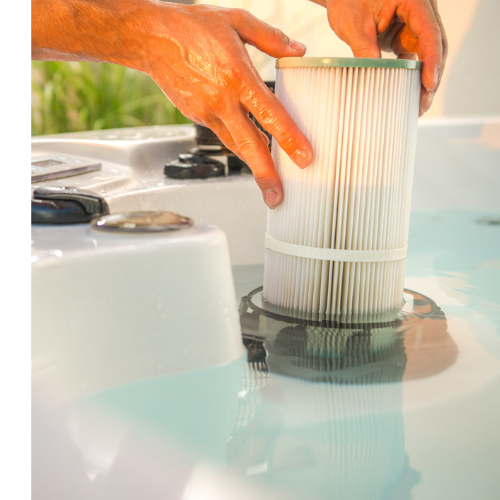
(406, 408)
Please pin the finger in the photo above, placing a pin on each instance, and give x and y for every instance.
(265, 37)
(400, 39)
(405, 45)
(357, 30)
(256, 155)
(405, 42)
(258, 99)
(221, 131)
(273, 117)
(421, 20)
(443, 37)
(264, 138)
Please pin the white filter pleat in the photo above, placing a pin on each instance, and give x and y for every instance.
(356, 194)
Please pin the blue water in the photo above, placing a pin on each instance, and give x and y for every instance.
(447, 243)
(431, 431)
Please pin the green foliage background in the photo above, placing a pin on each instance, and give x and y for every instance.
(73, 96)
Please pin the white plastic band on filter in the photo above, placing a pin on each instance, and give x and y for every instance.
(337, 243)
(387, 255)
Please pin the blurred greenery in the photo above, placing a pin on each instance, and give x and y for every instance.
(74, 96)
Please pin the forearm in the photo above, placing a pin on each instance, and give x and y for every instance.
(91, 30)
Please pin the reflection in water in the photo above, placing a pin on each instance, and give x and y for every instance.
(316, 412)
(338, 432)
(385, 347)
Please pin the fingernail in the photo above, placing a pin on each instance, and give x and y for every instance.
(299, 47)
(301, 157)
(271, 197)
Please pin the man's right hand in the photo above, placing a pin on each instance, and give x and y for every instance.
(197, 55)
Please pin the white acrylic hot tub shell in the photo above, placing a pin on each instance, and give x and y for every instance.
(108, 309)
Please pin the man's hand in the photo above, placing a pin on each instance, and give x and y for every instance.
(197, 55)
(405, 27)
(209, 76)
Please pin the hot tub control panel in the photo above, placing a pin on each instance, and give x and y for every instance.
(44, 168)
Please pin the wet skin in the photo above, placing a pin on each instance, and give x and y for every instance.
(407, 28)
(197, 56)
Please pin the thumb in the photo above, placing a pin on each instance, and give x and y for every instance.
(265, 37)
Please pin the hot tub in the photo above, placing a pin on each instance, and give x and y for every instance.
(403, 407)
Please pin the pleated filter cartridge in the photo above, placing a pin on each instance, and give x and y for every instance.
(337, 243)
